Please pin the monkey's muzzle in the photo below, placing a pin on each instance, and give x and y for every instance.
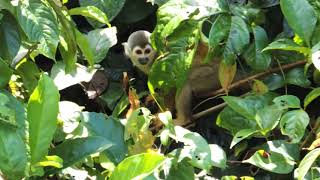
(143, 61)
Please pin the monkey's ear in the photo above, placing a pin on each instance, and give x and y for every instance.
(126, 49)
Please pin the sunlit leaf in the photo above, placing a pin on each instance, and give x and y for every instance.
(307, 162)
(40, 24)
(300, 16)
(137, 166)
(311, 96)
(241, 135)
(293, 124)
(42, 112)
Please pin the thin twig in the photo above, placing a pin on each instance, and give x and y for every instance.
(241, 82)
(256, 76)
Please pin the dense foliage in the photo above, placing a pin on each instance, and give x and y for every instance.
(48, 129)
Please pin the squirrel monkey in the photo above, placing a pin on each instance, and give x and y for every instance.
(138, 48)
(202, 78)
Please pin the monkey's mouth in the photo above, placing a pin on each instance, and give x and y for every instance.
(143, 61)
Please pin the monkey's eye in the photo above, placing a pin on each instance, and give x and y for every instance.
(138, 51)
(147, 51)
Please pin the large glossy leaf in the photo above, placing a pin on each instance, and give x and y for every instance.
(198, 151)
(271, 161)
(91, 12)
(300, 16)
(70, 114)
(234, 122)
(297, 77)
(40, 24)
(74, 150)
(287, 101)
(237, 40)
(307, 162)
(311, 96)
(293, 124)
(219, 30)
(5, 73)
(110, 7)
(13, 152)
(173, 13)
(101, 40)
(171, 70)
(42, 112)
(110, 129)
(288, 150)
(256, 59)
(10, 37)
(268, 118)
(181, 170)
(287, 45)
(249, 105)
(137, 166)
(63, 80)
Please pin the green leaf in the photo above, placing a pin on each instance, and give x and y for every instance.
(219, 30)
(293, 124)
(84, 45)
(174, 14)
(101, 40)
(91, 12)
(307, 162)
(13, 152)
(271, 161)
(237, 40)
(40, 24)
(19, 109)
(30, 73)
(218, 156)
(300, 16)
(287, 45)
(197, 150)
(297, 77)
(181, 170)
(287, 101)
(5, 74)
(10, 37)
(241, 135)
(42, 112)
(110, 129)
(233, 121)
(70, 114)
(268, 118)
(171, 70)
(274, 81)
(63, 80)
(288, 150)
(109, 7)
(256, 59)
(311, 96)
(74, 150)
(138, 166)
(68, 45)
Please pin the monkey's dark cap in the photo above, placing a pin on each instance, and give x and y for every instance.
(139, 38)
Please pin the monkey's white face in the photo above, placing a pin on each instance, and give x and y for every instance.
(143, 55)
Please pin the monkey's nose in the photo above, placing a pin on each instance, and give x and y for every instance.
(143, 60)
